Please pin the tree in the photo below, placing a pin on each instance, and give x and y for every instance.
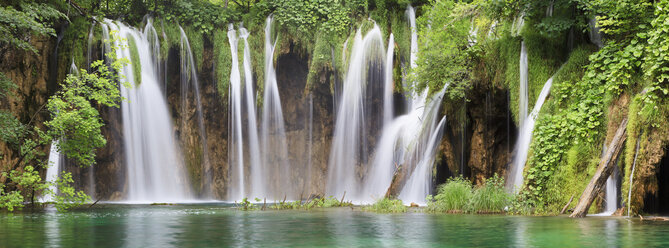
(75, 121)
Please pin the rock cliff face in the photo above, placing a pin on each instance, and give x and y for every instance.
(30, 72)
(297, 101)
(479, 137)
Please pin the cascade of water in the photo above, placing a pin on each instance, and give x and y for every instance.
(473, 31)
(73, 69)
(389, 84)
(523, 96)
(273, 133)
(89, 49)
(91, 169)
(235, 138)
(413, 56)
(106, 48)
(611, 204)
(52, 171)
(419, 184)
(155, 168)
(629, 192)
(258, 185)
(188, 78)
(518, 24)
(352, 129)
(310, 141)
(515, 180)
(595, 34)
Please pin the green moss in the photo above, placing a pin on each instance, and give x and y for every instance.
(256, 41)
(134, 60)
(544, 58)
(74, 46)
(222, 61)
(196, 40)
(321, 60)
(565, 80)
(173, 35)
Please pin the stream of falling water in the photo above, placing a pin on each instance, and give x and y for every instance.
(273, 132)
(155, 168)
(515, 180)
(523, 95)
(257, 181)
(237, 186)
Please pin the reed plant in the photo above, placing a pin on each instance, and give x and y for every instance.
(454, 195)
(491, 197)
(387, 205)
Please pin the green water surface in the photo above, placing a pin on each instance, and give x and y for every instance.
(217, 225)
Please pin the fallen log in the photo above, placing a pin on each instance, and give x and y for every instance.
(603, 172)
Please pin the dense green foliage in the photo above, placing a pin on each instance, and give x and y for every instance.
(25, 19)
(445, 62)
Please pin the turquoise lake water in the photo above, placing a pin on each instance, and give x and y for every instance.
(219, 225)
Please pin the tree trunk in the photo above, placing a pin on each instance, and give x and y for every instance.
(399, 178)
(603, 172)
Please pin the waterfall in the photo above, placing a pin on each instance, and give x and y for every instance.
(515, 180)
(610, 190)
(258, 185)
(388, 83)
(73, 69)
(89, 49)
(188, 77)
(236, 188)
(523, 96)
(310, 140)
(611, 204)
(155, 167)
(419, 184)
(594, 33)
(273, 133)
(52, 171)
(354, 125)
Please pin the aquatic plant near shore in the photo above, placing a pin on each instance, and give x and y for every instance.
(454, 195)
(491, 197)
(387, 205)
(458, 195)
